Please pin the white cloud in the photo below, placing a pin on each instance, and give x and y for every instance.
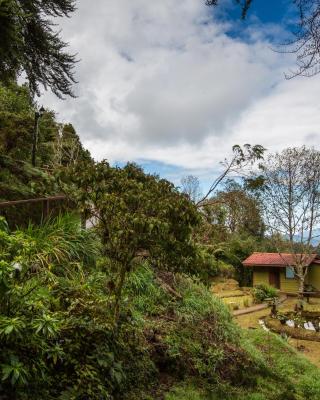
(162, 81)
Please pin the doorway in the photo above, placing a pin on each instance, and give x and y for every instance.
(274, 278)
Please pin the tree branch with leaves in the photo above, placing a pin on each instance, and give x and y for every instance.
(242, 158)
(31, 44)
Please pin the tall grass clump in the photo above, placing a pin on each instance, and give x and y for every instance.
(58, 241)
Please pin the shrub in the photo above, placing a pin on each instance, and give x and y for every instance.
(263, 292)
(206, 264)
(57, 338)
(226, 270)
(184, 393)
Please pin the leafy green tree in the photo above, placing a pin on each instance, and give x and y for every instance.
(232, 228)
(135, 214)
(57, 145)
(31, 44)
(234, 210)
(17, 124)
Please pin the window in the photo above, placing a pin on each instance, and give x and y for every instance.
(289, 273)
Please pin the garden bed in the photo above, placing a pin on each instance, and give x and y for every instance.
(301, 329)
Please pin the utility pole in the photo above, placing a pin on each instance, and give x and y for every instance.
(37, 116)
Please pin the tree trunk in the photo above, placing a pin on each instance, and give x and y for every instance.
(301, 286)
(118, 293)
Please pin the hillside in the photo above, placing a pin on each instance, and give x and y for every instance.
(173, 339)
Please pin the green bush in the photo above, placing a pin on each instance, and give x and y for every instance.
(57, 338)
(173, 339)
(226, 270)
(263, 292)
(206, 264)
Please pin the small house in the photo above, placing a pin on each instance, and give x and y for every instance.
(275, 269)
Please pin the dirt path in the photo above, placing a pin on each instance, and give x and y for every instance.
(309, 349)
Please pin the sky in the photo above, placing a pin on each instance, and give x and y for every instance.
(173, 85)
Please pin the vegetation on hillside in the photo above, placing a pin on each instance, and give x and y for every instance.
(123, 310)
(173, 338)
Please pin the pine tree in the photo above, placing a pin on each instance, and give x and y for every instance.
(30, 44)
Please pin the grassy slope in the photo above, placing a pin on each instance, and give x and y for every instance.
(287, 375)
(200, 354)
(175, 340)
(310, 349)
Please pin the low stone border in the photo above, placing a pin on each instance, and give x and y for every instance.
(297, 333)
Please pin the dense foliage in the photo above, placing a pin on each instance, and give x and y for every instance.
(232, 227)
(52, 301)
(135, 214)
(262, 292)
(58, 144)
(120, 311)
(31, 44)
(173, 339)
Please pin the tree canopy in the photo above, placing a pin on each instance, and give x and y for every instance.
(135, 214)
(30, 43)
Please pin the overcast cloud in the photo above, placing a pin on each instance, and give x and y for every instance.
(162, 81)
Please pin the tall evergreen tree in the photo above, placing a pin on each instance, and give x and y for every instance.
(30, 44)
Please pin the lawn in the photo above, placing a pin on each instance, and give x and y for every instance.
(309, 349)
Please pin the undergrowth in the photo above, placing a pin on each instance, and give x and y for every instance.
(193, 340)
(174, 340)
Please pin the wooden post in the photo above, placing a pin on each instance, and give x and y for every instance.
(45, 209)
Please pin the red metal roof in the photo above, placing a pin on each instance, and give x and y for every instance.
(278, 259)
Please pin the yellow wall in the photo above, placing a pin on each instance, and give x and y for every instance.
(288, 285)
(260, 275)
(313, 277)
